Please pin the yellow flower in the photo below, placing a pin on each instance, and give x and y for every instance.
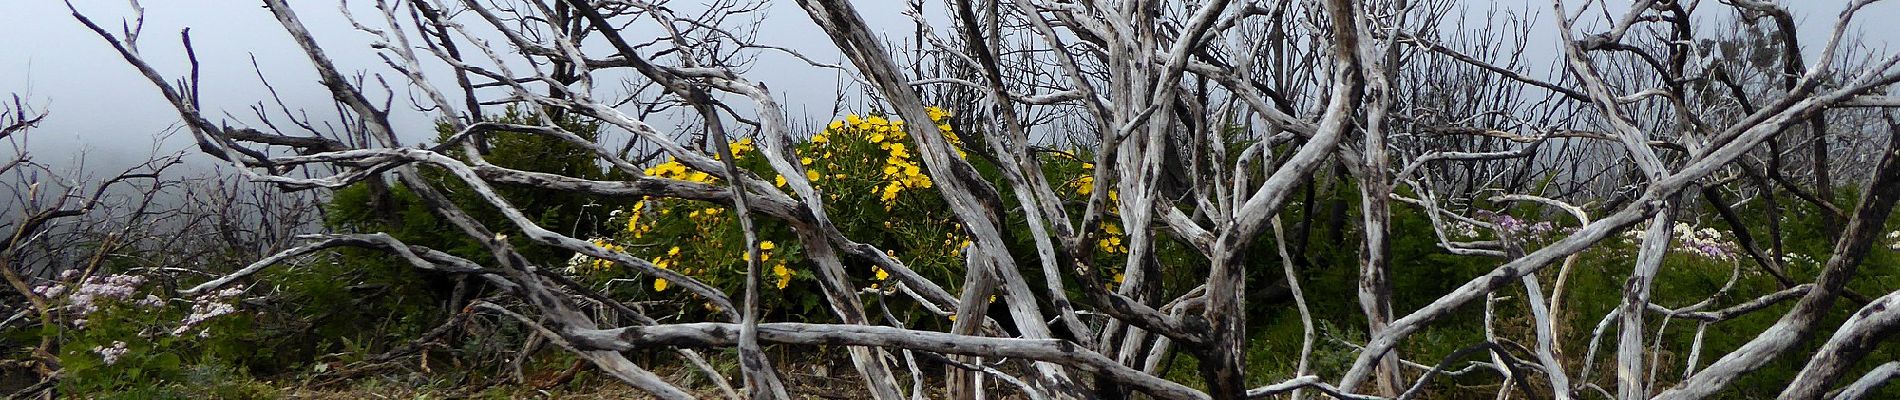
(821, 138)
(659, 285)
(669, 169)
(1085, 185)
(805, 161)
(784, 275)
(890, 192)
(881, 275)
(767, 245)
(811, 175)
(890, 170)
(742, 146)
(853, 119)
(779, 181)
(673, 251)
(877, 138)
(1118, 278)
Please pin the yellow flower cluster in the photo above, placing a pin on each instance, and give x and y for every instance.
(635, 226)
(665, 262)
(901, 170)
(1085, 185)
(779, 270)
(672, 169)
(955, 245)
(709, 213)
(597, 264)
(1111, 241)
(741, 147)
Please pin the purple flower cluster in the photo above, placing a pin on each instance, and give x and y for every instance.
(1706, 243)
(49, 290)
(1514, 227)
(96, 291)
(111, 354)
(110, 287)
(208, 306)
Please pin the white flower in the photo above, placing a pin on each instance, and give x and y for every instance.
(200, 312)
(109, 287)
(111, 354)
(227, 293)
(49, 290)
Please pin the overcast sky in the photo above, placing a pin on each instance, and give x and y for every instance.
(102, 108)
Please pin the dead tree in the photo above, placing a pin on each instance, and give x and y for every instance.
(60, 226)
(1380, 94)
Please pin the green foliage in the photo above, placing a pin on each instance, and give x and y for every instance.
(123, 337)
(343, 306)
